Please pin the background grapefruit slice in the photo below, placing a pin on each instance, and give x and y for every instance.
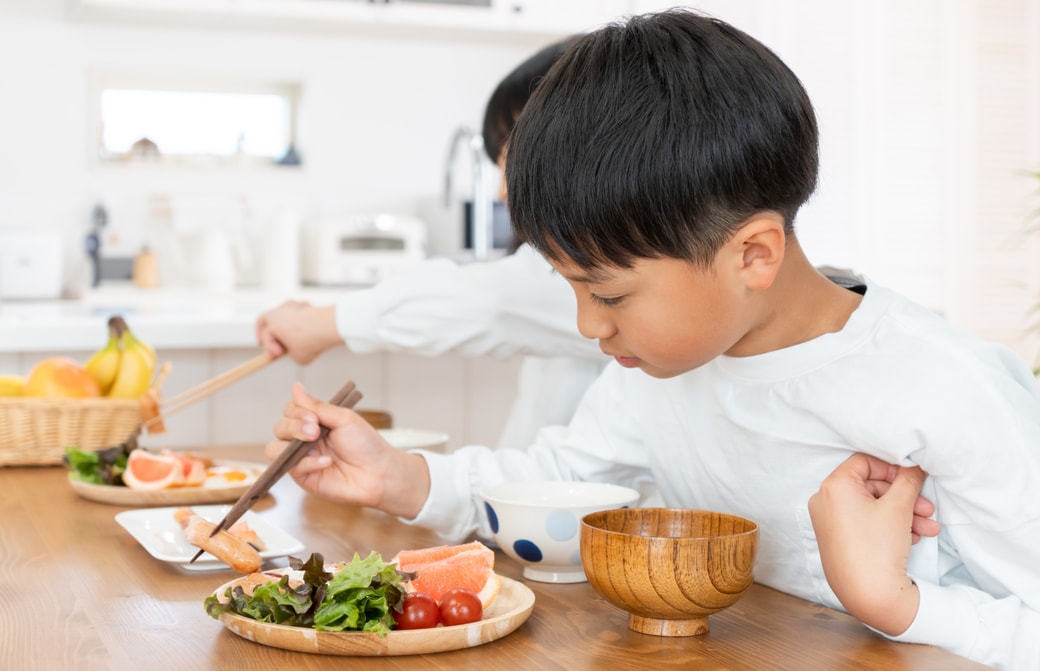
(439, 569)
(193, 471)
(147, 470)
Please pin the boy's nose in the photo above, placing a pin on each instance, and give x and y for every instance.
(593, 322)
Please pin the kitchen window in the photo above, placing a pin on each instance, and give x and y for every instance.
(218, 124)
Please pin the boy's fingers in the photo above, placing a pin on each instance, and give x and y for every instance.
(906, 486)
(924, 527)
(328, 415)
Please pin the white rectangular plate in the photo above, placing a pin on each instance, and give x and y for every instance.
(161, 535)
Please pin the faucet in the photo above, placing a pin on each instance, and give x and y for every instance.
(482, 204)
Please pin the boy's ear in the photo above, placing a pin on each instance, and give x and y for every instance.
(761, 243)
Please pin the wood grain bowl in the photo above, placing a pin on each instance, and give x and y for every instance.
(668, 568)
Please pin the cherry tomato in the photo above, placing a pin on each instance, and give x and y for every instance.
(419, 611)
(460, 606)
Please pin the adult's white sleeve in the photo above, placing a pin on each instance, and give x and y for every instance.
(511, 306)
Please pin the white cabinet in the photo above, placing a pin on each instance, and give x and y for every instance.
(467, 398)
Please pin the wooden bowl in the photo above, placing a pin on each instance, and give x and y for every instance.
(668, 568)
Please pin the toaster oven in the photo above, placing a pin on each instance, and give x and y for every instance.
(360, 248)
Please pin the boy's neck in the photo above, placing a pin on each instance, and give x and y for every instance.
(802, 304)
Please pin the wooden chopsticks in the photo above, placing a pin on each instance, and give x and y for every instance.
(209, 387)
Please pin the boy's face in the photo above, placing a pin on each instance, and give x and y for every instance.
(665, 316)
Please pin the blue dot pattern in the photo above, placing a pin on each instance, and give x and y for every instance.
(492, 517)
(527, 551)
(561, 525)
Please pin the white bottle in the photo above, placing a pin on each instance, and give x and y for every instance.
(280, 252)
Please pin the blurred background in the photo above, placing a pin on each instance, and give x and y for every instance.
(237, 141)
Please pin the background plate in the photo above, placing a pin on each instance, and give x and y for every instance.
(415, 439)
(216, 489)
(508, 611)
(161, 535)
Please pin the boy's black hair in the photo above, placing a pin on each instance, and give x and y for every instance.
(511, 95)
(657, 138)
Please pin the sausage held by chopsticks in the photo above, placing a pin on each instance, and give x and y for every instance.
(233, 551)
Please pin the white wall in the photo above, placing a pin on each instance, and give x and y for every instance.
(378, 113)
(929, 110)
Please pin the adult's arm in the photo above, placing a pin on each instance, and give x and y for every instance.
(501, 308)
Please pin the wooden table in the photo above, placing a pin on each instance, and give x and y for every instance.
(78, 592)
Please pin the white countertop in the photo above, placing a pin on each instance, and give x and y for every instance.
(165, 318)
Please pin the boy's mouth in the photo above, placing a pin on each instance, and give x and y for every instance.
(627, 361)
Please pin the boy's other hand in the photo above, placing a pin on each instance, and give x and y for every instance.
(866, 515)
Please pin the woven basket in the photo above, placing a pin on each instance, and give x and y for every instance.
(35, 431)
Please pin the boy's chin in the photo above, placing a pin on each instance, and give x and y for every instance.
(661, 373)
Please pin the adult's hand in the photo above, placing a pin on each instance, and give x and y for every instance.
(298, 329)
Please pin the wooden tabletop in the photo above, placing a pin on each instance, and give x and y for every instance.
(78, 592)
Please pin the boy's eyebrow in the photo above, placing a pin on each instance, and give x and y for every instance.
(588, 275)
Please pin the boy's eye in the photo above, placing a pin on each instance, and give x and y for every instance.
(606, 300)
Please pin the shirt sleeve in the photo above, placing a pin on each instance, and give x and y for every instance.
(516, 305)
(981, 449)
(600, 444)
(1001, 632)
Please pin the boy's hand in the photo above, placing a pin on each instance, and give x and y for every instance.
(299, 329)
(353, 464)
(866, 516)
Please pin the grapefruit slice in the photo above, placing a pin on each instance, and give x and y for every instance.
(148, 470)
(405, 557)
(193, 471)
(469, 566)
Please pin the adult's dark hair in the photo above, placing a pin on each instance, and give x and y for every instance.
(511, 95)
(658, 137)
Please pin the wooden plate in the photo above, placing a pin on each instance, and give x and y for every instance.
(216, 489)
(508, 611)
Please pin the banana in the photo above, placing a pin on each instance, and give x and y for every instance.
(146, 349)
(136, 367)
(136, 363)
(12, 385)
(104, 364)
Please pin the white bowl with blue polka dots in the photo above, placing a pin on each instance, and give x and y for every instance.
(539, 523)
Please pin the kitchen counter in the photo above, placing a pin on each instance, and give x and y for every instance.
(203, 334)
(165, 318)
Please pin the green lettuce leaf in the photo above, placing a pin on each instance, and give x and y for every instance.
(360, 596)
(99, 467)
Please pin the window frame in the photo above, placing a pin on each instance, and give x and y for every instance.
(100, 81)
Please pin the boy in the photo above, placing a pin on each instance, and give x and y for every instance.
(659, 167)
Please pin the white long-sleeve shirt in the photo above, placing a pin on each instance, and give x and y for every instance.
(511, 306)
(755, 436)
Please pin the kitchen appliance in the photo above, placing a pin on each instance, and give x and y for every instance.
(30, 264)
(360, 248)
(211, 259)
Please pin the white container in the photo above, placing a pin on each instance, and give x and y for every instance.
(280, 252)
(539, 523)
(30, 264)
